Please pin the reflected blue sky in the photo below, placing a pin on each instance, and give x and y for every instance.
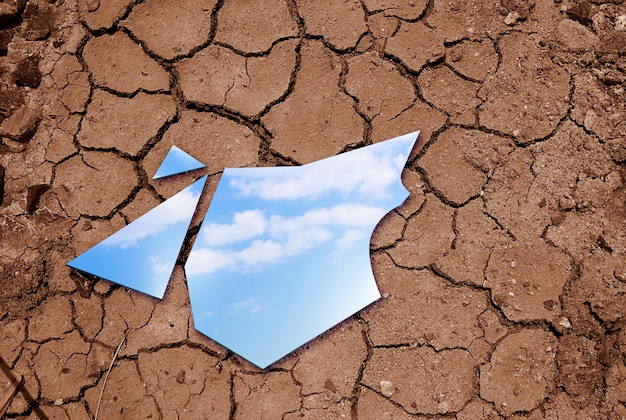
(142, 255)
(283, 253)
(176, 161)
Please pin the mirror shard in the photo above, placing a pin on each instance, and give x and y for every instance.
(176, 161)
(142, 255)
(283, 252)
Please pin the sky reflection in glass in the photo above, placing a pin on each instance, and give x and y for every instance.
(283, 253)
(142, 255)
(176, 161)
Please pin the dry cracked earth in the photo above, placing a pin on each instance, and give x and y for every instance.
(503, 274)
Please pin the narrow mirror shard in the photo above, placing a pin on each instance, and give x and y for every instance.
(283, 253)
(176, 161)
(142, 255)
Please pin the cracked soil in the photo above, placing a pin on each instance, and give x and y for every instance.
(503, 274)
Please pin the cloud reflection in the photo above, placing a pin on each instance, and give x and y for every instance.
(142, 255)
(284, 252)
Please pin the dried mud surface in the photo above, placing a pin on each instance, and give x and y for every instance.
(503, 274)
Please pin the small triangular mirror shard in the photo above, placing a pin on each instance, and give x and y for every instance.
(142, 255)
(176, 161)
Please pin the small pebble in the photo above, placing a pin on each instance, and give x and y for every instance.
(92, 5)
(565, 323)
(620, 23)
(386, 388)
(512, 18)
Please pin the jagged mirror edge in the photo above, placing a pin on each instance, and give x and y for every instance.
(176, 162)
(142, 255)
(283, 253)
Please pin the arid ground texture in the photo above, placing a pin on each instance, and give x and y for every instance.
(503, 274)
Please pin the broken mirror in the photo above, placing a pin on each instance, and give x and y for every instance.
(142, 255)
(283, 253)
(177, 161)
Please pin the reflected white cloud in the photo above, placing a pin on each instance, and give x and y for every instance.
(283, 253)
(142, 255)
(297, 236)
(343, 215)
(277, 237)
(206, 261)
(368, 171)
(252, 305)
(349, 239)
(179, 209)
(245, 225)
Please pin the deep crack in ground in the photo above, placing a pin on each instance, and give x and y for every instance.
(503, 274)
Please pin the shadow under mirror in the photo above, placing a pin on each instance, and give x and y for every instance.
(283, 253)
(142, 255)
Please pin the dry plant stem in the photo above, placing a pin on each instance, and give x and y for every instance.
(104, 384)
(5, 400)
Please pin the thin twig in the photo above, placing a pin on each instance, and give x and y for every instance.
(106, 378)
(7, 397)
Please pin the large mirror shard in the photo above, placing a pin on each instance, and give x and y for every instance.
(142, 255)
(177, 161)
(283, 253)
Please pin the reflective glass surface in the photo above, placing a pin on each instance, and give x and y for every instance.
(176, 161)
(142, 255)
(283, 253)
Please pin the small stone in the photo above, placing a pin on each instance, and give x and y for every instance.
(613, 180)
(13, 146)
(386, 388)
(21, 125)
(512, 18)
(180, 378)
(566, 202)
(34, 195)
(58, 401)
(565, 323)
(27, 72)
(513, 264)
(576, 37)
(7, 12)
(386, 295)
(92, 5)
(558, 218)
(613, 77)
(39, 21)
(620, 23)
(580, 12)
(6, 35)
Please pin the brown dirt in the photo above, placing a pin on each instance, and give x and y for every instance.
(503, 274)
